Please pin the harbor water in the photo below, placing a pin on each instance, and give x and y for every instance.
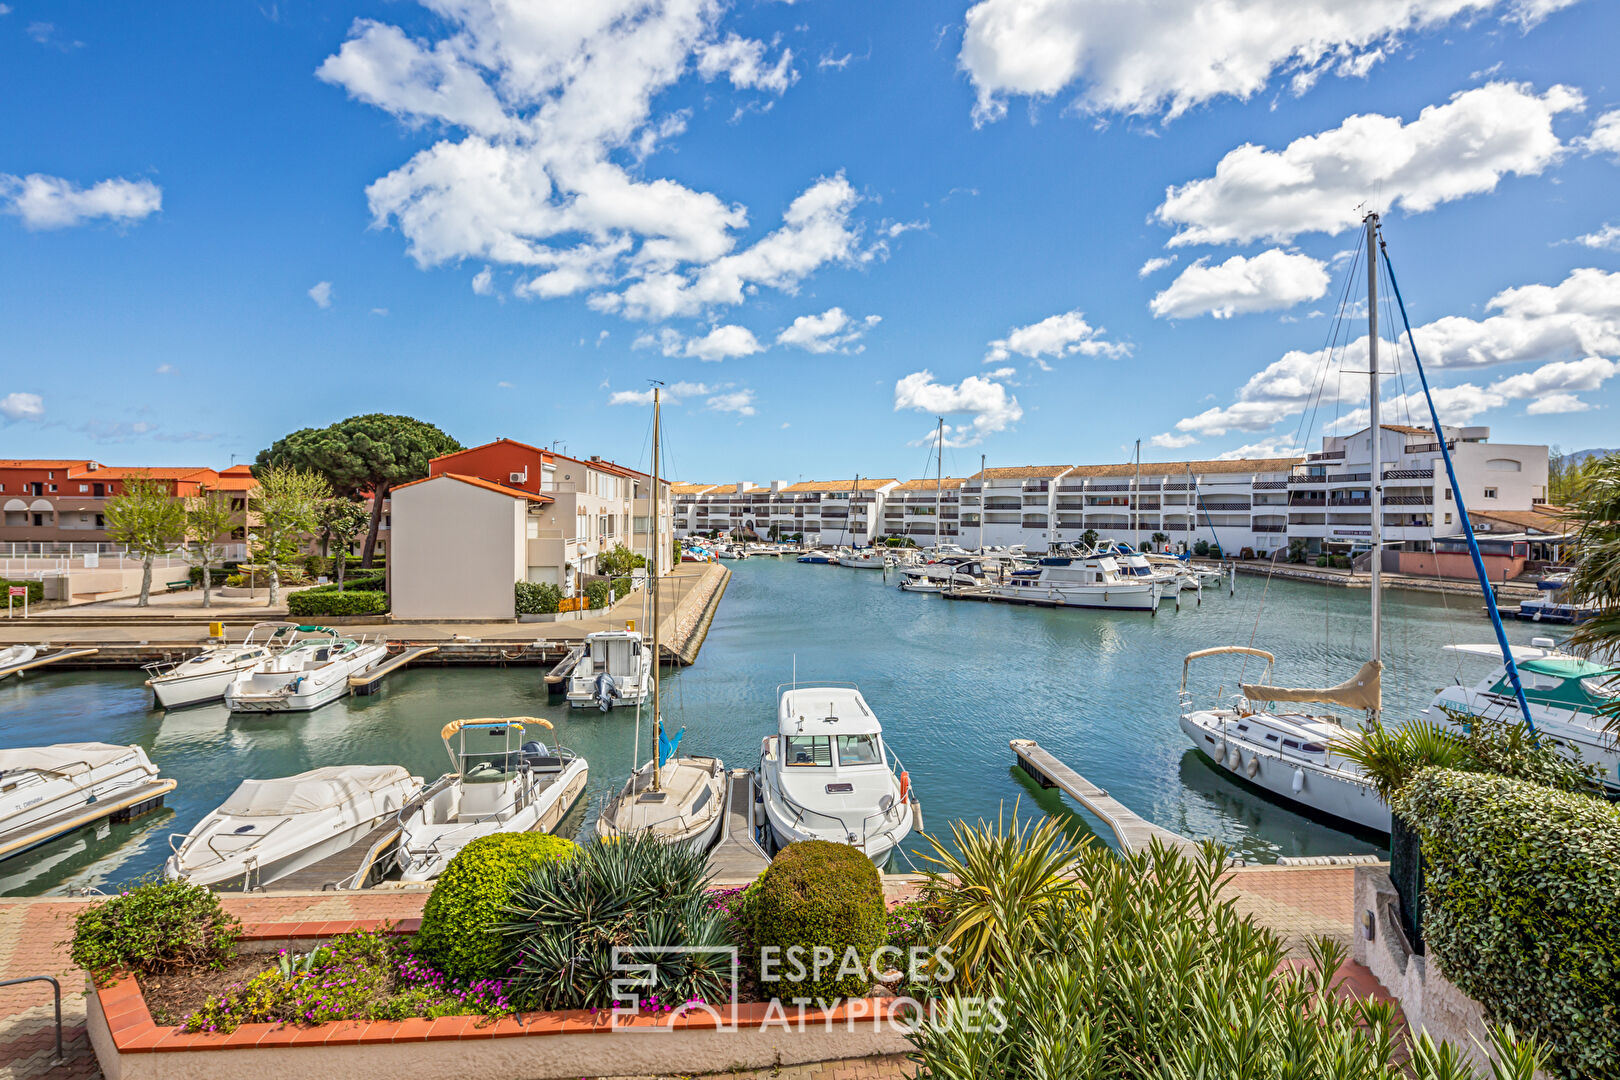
(952, 681)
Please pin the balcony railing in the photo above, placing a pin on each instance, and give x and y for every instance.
(1350, 478)
(1408, 500)
(1269, 485)
(1326, 455)
(1409, 474)
(1298, 481)
(1268, 528)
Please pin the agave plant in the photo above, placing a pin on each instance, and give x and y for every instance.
(579, 924)
(1391, 756)
(995, 887)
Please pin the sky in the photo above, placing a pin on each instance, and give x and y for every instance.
(1061, 225)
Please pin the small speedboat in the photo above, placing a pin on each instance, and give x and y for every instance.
(40, 786)
(206, 676)
(822, 558)
(17, 654)
(615, 668)
(268, 829)
(306, 674)
(500, 784)
(872, 559)
(827, 775)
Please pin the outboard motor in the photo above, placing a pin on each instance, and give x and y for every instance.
(534, 755)
(606, 691)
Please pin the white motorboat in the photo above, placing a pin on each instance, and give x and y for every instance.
(13, 655)
(268, 829)
(677, 800)
(614, 669)
(1289, 754)
(42, 785)
(870, 559)
(1095, 581)
(499, 784)
(824, 558)
(305, 675)
(206, 676)
(827, 774)
(1566, 695)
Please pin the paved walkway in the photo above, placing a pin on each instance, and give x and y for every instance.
(1298, 902)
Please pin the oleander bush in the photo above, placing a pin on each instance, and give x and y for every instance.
(460, 933)
(1522, 906)
(636, 894)
(597, 591)
(1147, 970)
(536, 598)
(817, 895)
(156, 927)
(324, 601)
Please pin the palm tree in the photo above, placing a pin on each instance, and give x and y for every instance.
(1391, 757)
(1595, 514)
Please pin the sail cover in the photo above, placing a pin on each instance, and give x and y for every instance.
(318, 789)
(1361, 691)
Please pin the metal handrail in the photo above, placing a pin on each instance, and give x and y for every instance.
(56, 990)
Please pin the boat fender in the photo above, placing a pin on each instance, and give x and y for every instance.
(1253, 768)
(1299, 781)
(1220, 749)
(1234, 760)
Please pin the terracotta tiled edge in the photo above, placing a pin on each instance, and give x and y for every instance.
(133, 1032)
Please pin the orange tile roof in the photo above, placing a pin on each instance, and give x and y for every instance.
(243, 469)
(602, 465)
(1404, 430)
(866, 484)
(492, 442)
(1548, 519)
(1021, 472)
(1179, 468)
(201, 474)
(479, 482)
(41, 463)
(690, 489)
(949, 483)
(235, 482)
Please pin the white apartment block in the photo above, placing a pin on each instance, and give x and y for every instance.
(1256, 503)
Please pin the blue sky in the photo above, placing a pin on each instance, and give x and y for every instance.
(822, 223)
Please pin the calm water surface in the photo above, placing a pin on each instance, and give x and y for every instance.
(952, 681)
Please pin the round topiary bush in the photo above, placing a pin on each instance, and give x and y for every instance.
(817, 896)
(470, 899)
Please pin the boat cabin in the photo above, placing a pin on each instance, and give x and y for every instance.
(616, 652)
(1068, 570)
(828, 727)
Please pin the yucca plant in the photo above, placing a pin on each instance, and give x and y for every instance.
(638, 895)
(1391, 756)
(995, 887)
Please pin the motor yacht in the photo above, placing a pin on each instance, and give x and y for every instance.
(1095, 581)
(305, 674)
(499, 783)
(951, 572)
(206, 676)
(614, 669)
(268, 829)
(827, 774)
(42, 785)
(1288, 754)
(1566, 695)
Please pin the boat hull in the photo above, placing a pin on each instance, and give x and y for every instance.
(30, 805)
(1129, 597)
(301, 691)
(426, 850)
(175, 693)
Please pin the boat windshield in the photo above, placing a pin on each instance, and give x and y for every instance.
(809, 750)
(859, 750)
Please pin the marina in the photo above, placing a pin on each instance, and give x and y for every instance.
(1097, 689)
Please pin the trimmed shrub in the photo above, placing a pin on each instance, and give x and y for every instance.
(818, 895)
(458, 935)
(536, 598)
(318, 602)
(36, 590)
(636, 892)
(597, 592)
(156, 927)
(1521, 902)
(621, 588)
(1201, 549)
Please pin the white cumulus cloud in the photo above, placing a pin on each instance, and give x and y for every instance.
(1325, 182)
(1606, 238)
(1055, 335)
(50, 202)
(831, 331)
(321, 293)
(1270, 280)
(724, 343)
(1605, 137)
(740, 402)
(1154, 265)
(743, 61)
(1172, 441)
(986, 403)
(673, 394)
(20, 406)
(1150, 56)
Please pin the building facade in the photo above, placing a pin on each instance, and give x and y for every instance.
(61, 504)
(818, 511)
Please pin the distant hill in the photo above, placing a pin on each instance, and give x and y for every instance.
(1576, 457)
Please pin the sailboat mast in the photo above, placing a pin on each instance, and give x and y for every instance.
(981, 503)
(1136, 501)
(1376, 431)
(652, 567)
(939, 483)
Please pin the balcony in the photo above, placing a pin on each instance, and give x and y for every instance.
(1209, 504)
(1327, 455)
(996, 502)
(1408, 500)
(1409, 474)
(1305, 500)
(1351, 478)
(1361, 504)
(1300, 481)
(1109, 487)
(1268, 528)
(1269, 485)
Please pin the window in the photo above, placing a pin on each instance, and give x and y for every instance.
(859, 750)
(1490, 493)
(84, 489)
(1448, 517)
(1448, 494)
(808, 750)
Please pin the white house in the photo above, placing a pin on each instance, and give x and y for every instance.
(460, 543)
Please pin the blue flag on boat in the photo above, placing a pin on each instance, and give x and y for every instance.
(667, 745)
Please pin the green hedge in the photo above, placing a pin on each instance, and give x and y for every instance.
(320, 602)
(818, 894)
(597, 592)
(536, 598)
(470, 898)
(36, 591)
(1522, 906)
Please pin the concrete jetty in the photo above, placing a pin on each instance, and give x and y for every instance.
(1132, 832)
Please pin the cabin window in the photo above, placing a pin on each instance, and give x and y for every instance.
(1243, 727)
(1271, 738)
(859, 750)
(1291, 744)
(701, 801)
(809, 750)
(1314, 748)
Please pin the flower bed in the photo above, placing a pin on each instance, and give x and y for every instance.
(130, 1046)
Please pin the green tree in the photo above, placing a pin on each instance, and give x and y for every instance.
(287, 506)
(208, 517)
(148, 521)
(619, 560)
(1088, 538)
(363, 457)
(341, 519)
(1596, 577)
(1159, 539)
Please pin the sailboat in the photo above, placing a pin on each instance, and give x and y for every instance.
(679, 800)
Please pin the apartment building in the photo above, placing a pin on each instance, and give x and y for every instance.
(50, 503)
(1256, 503)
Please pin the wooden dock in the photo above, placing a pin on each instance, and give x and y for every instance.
(368, 681)
(47, 658)
(738, 856)
(1132, 832)
(360, 864)
(119, 808)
